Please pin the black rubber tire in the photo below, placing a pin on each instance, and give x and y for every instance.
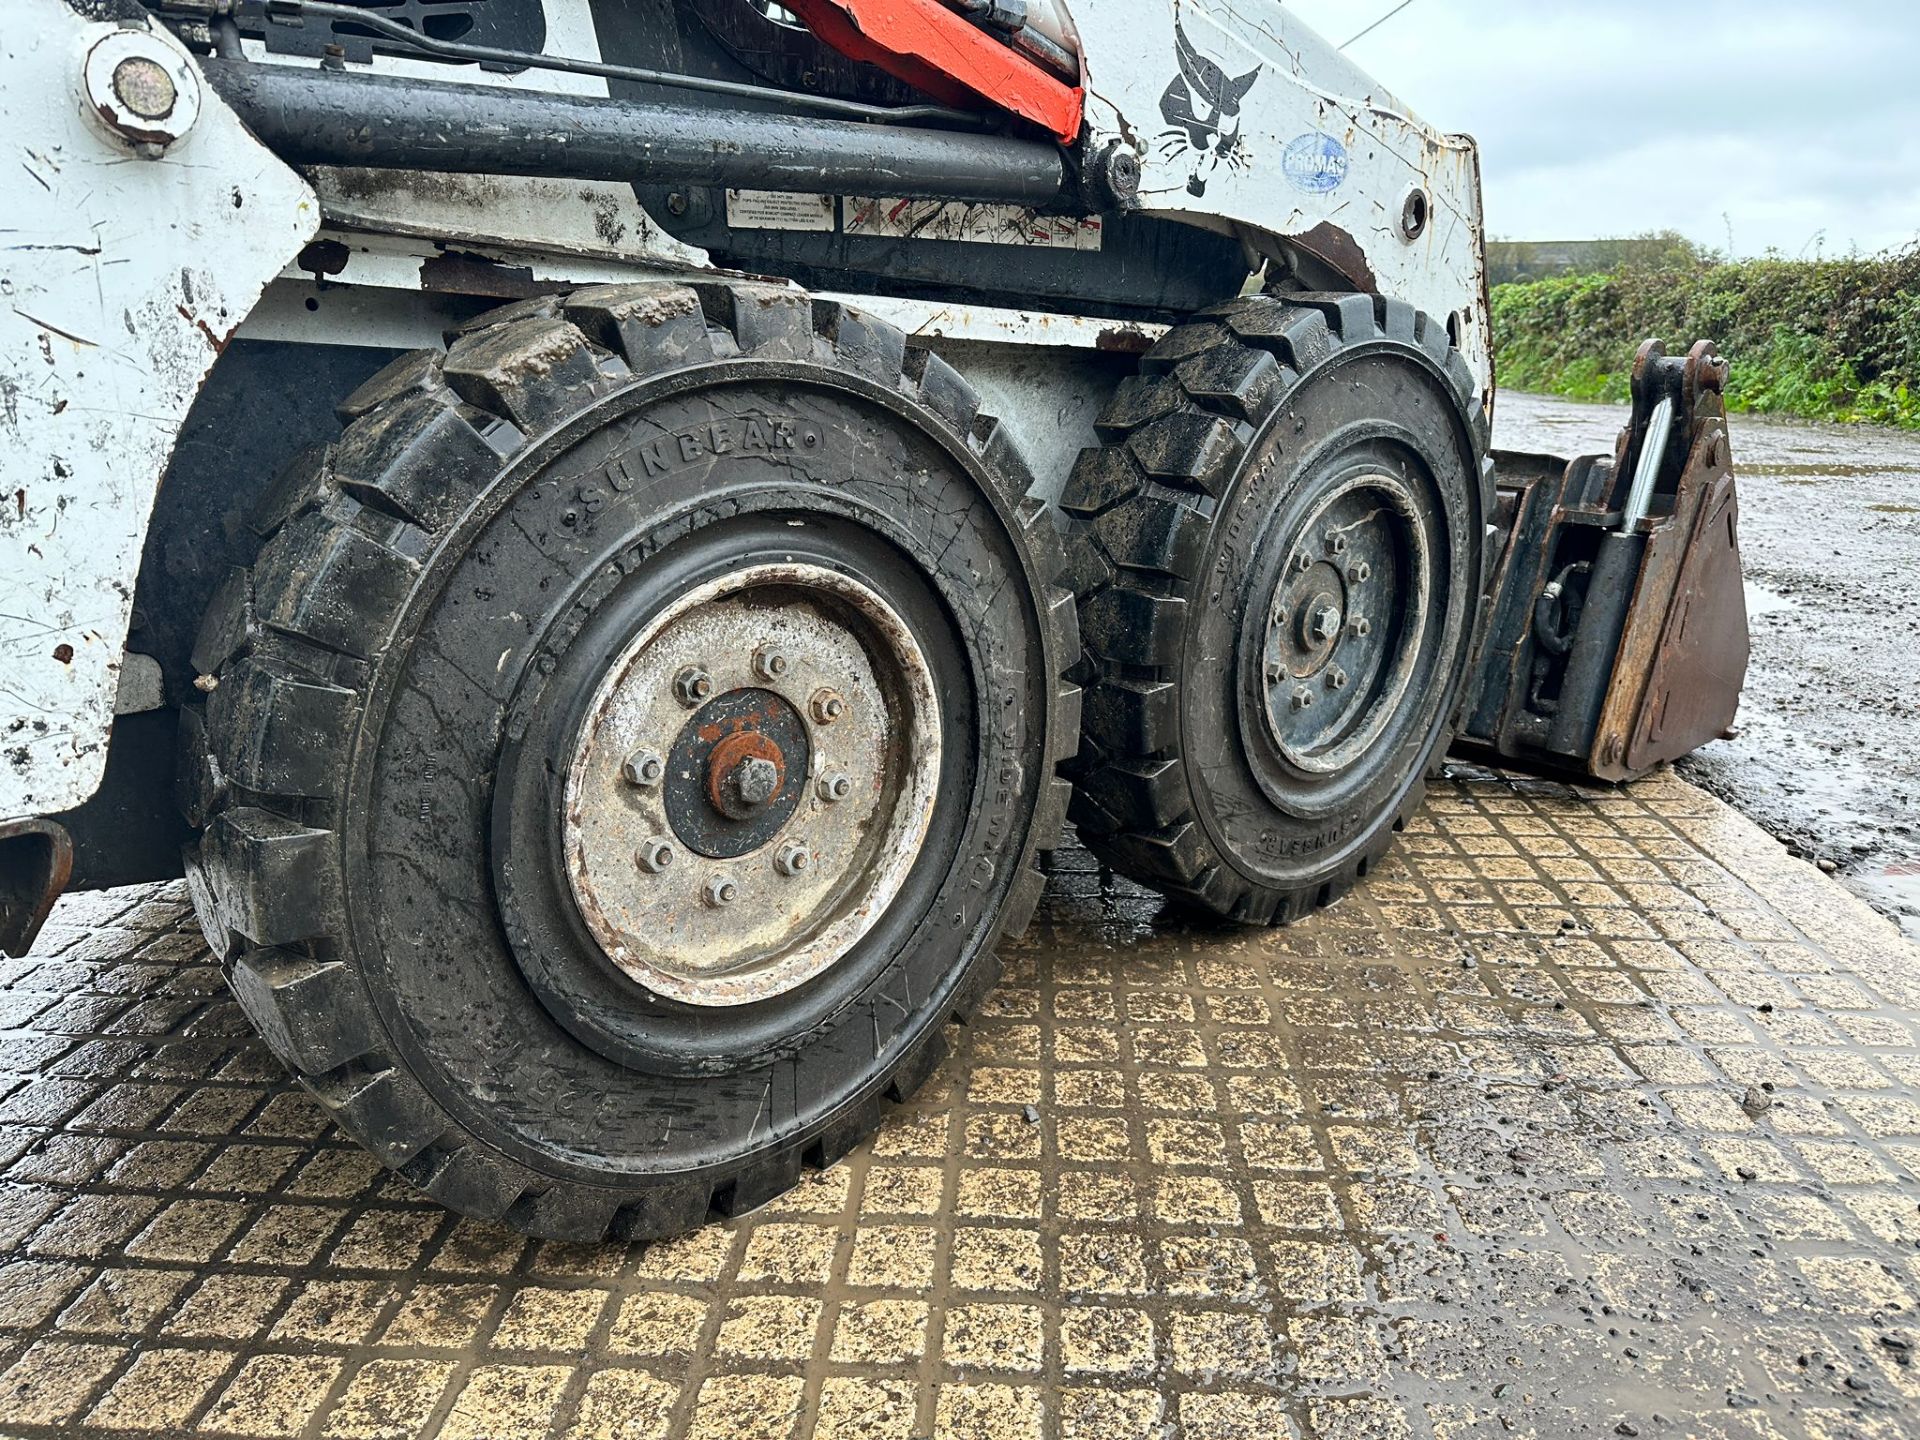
(366, 683)
(1232, 415)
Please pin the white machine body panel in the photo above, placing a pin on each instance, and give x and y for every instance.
(1246, 120)
(125, 265)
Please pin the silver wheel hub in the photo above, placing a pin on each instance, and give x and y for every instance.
(1342, 625)
(728, 841)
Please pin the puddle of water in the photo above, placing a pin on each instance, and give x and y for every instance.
(1893, 889)
(1827, 470)
(1762, 601)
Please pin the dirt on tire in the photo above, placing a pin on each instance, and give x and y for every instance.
(1242, 427)
(406, 946)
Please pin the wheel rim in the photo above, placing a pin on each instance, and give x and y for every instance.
(750, 784)
(1344, 623)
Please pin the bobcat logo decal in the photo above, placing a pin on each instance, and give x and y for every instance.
(1201, 105)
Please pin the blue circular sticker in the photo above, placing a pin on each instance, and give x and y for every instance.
(1314, 162)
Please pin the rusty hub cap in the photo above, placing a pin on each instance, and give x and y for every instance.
(728, 787)
(1342, 627)
(785, 867)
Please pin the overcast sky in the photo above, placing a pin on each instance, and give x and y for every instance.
(1794, 122)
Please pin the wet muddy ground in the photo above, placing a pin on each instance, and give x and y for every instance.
(1590, 1114)
(1828, 755)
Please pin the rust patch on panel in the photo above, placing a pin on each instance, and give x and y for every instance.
(1124, 340)
(1334, 247)
(458, 272)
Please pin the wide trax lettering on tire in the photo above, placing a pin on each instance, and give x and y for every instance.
(603, 639)
(1281, 547)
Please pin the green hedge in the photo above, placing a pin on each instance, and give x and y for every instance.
(1830, 339)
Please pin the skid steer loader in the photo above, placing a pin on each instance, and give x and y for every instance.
(607, 537)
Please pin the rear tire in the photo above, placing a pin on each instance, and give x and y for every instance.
(1281, 552)
(434, 855)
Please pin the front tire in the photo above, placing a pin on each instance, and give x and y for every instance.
(1282, 538)
(628, 745)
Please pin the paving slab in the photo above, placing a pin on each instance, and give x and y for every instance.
(1591, 1113)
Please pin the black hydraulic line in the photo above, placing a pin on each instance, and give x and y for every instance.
(273, 12)
(323, 117)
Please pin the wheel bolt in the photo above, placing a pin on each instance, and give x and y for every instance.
(692, 685)
(1361, 573)
(826, 706)
(1275, 671)
(1336, 543)
(643, 767)
(756, 780)
(1325, 623)
(769, 663)
(1302, 698)
(792, 859)
(1303, 562)
(1336, 679)
(654, 856)
(1359, 627)
(720, 890)
(835, 787)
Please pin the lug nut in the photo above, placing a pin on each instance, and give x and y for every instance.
(1336, 679)
(1359, 627)
(1302, 698)
(1361, 573)
(643, 767)
(1303, 562)
(826, 706)
(835, 787)
(693, 685)
(792, 859)
(720, 890)
(770, 664)
(1336, 543)
(1275, 671)
(654, 856)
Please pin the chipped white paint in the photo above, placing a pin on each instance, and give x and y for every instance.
(1246, 120)
(395, 262)
(377, 300)
(931, 320)
(120, 279)
(596, 219)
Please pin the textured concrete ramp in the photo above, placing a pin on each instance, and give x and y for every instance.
(1589, 1114)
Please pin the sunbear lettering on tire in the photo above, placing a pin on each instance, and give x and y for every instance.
(1281, 546)
(627, 746)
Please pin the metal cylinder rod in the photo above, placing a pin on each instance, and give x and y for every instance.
(319, 117)
(1653, 451)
